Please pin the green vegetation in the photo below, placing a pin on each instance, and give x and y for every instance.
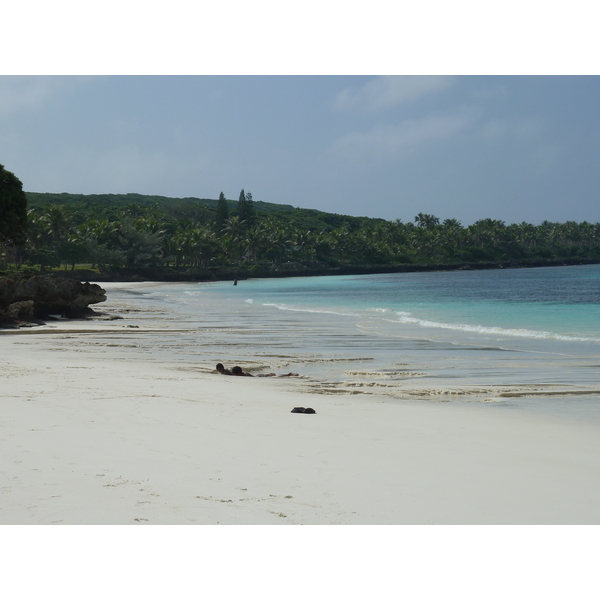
(13, 209)
(192, 238)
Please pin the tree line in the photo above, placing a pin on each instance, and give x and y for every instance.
(151, 235)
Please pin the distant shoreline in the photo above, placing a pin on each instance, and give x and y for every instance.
(230, 273)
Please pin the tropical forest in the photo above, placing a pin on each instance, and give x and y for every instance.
(133, 236)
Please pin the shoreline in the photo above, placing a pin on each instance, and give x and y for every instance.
(90, 437)
(214, 274)
(133, 328)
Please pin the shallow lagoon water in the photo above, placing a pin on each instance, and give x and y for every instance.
(522, 338)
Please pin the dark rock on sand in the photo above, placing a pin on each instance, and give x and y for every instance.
(29, 298)
(306, 411)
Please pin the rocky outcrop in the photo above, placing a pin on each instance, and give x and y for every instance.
(38, 296)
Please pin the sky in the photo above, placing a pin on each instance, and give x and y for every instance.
(515, 141)
(513, 148)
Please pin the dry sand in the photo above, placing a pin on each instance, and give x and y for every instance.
(90, 439)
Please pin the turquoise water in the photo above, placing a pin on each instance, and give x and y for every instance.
(561, 304)
(508, 337)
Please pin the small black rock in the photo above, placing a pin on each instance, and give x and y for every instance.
(298, 409)
(309, 411)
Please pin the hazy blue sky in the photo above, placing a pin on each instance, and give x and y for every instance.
(515, 148)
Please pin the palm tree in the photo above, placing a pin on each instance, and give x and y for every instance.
(251, 243)
(141, 248)
(235, 227)
(279, 243)
(37, 233)
(229, 248)
(426, 221)
(324, 245)
(56, 221)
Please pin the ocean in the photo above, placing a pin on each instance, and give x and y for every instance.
(524, 339)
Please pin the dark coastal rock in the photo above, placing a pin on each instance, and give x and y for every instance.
(38, 296)
(20, 310)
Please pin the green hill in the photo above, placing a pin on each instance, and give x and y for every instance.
(123, 200)
(105, 206)
(126, 235)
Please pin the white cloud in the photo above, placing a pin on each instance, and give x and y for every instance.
(400, 141)
(388, 91)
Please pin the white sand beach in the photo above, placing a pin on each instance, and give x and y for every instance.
(116, 423)
(94, 438)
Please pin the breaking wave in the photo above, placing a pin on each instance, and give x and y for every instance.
(311, 310)
(408, 318)
(525, 333)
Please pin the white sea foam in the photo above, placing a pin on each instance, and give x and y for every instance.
(406, 317)
(310, 310)
(383, 374)
(527, 333)
(249, 301)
